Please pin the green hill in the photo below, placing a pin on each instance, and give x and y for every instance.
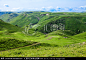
(7, 17)
(23, 20)
(74, 23)
(6, 43)
(9, 27)
(27, 18)
(80, 36)
(53, 45)
(66, 35)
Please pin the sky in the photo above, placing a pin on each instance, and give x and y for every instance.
(43, 5)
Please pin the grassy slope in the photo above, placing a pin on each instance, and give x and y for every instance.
(10, 28)
(77, 22)
(46, 51)
(21, 22)
(26, 18)
(7, 17)
(7, 43)
(58, 46)
(55, 44)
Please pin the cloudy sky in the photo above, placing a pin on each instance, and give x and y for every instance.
(43, 5)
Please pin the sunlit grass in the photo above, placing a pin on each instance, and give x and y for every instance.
(55, 45)
(45, 51)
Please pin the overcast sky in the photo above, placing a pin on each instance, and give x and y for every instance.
(43, 5)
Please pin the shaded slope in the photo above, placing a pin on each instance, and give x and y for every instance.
(9, 27)
(6, 43)
(73, 23)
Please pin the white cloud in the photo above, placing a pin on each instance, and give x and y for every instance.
(12, 10)
(49, 7)
(7, 10)
(66, 8)
(57, 7)
(46, 8)
(82, 6)
(76, 8)
(43, 7)
(33, 9)
(6, 5)
(16, 8)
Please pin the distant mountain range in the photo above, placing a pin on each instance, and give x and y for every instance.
(1, 13)
(73, 21)
(6, 12)
(83, 12)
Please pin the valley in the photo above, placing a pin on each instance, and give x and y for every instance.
(43, 34)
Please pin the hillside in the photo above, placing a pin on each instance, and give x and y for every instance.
(71, 21)
(55, 44)
(60, 34)
(9, 27)
(33, 17)
(7, 17)
(27, 17)
(74, 23)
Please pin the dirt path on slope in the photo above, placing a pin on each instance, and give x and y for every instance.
(21, 47)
